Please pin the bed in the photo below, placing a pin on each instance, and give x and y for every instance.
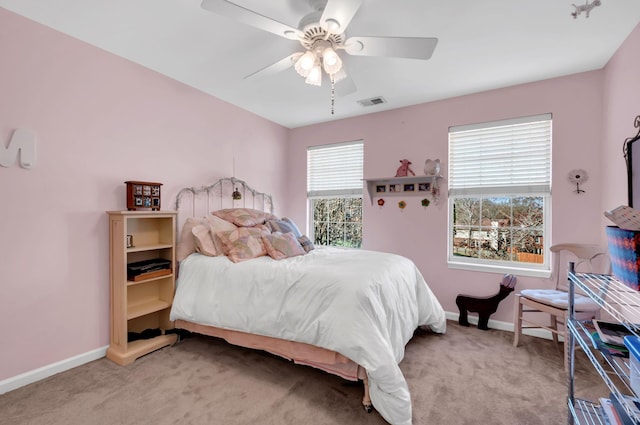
(349, 312)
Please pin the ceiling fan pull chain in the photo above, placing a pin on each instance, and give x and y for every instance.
(333, 92)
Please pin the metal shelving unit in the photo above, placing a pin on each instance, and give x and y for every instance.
(622, 304)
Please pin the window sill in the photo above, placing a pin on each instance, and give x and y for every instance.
(492, 268)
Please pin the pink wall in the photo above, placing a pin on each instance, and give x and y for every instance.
(99, 120)
(420, 132)
(621, 106)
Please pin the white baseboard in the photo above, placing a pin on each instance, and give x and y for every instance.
(502, 326)
(32, 376)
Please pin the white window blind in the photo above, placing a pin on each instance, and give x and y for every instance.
(510, 156)
(335, 170)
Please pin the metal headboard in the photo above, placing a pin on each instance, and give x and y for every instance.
(198, 202)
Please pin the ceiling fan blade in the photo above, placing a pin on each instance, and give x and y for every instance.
(345, 86)
(251, 18)
(340, 13)
(276, 67)
(395, 47)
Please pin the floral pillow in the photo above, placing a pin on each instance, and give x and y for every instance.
(204, 240)
(217, 225)
(244, 217)
(296, 230)
(187, 244)
(282, 226)
(242, 244)
(306, 243)
(282, 245)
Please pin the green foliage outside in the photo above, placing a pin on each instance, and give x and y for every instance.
(337, 222)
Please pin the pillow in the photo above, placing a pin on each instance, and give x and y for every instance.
(282, 245)
(244, 217)
(186, 244)
(217, 225)
(306, 243)
(296, 230)
(283, 227)
(203, 240)
(243, 244)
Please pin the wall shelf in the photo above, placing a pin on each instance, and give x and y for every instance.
(402, 186)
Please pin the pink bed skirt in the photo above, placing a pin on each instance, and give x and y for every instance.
(301, 353)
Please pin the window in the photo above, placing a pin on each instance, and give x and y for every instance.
(500, 195)
(334, 191)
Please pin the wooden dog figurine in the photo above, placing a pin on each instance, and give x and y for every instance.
(484, 306)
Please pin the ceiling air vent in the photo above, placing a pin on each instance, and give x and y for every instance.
(372, 101)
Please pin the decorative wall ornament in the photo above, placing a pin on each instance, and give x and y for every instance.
(425, 202)
(586, 8)
(380, 202)
(236, 195)
(578, 177)
(402, 205)
(404, 170)
(24, 142)
(432, 167)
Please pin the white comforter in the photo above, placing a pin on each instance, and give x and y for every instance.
(362, 304)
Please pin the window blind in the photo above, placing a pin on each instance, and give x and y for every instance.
(510, 156)
(335, 170)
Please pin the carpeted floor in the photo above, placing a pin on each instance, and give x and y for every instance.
(466, 376)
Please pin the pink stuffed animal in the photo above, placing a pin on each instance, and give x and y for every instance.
(404, 169)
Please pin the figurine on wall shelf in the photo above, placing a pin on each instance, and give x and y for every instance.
(404, 169)
(432, 167)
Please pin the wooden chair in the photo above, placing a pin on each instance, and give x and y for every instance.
(555, 301)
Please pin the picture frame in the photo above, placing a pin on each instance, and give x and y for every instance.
(424, 187)
(394, 188)
(409, 187)
(381, 188)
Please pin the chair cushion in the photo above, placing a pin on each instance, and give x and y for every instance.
(560, 299)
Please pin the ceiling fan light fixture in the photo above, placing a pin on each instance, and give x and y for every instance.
(331, 62)
(315, 76)
(305, 63)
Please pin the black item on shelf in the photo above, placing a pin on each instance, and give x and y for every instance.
(147, 266)
(145, 334)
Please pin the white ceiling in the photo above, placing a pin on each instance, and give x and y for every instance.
(482, 45)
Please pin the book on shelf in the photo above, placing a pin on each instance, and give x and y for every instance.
(624, 217)
(599, 344)
(609, 412)
(631, 402)
(611, 333)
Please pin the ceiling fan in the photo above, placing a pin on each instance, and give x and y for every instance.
(322, 35)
